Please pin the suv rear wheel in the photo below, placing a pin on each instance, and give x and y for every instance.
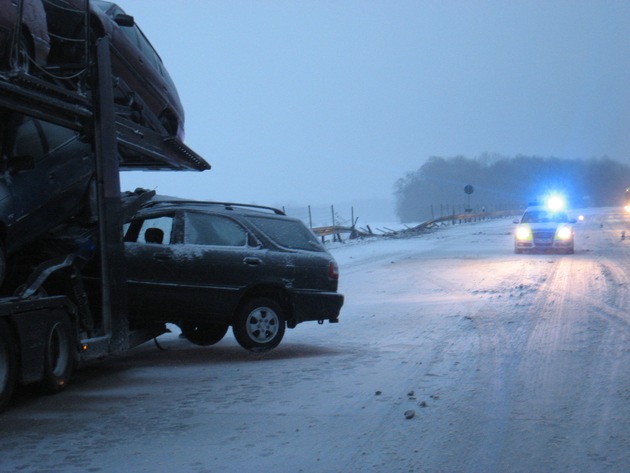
(259, 325)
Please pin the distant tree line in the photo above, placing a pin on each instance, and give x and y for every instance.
(506, 183)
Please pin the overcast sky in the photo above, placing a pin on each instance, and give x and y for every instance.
(324, 102)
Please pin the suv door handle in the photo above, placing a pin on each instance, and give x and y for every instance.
(252, 261)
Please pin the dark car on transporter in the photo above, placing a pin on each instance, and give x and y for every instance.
(207, 266)
(24, 39)
(46, 178)
(51, 38)
(143, 87)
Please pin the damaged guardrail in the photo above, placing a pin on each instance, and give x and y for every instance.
(361, 232)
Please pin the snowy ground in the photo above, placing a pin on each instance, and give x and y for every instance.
(452, 355)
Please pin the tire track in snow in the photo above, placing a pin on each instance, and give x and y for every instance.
(569, 370)
(465, 369)
(503, 328)
(527, 367)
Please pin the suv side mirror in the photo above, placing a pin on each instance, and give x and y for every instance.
(21, 163)
(124, 20)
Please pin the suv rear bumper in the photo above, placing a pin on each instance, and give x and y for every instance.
(314, 305)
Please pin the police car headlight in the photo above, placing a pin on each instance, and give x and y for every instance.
(564, 233)
(523, 233)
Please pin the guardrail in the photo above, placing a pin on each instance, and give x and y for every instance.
(337, 230)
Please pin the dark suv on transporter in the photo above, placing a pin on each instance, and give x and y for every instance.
(207, 266)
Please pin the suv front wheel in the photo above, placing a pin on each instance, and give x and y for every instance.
(259, 325)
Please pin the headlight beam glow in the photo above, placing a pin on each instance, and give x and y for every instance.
(523, 233)
(564, 233)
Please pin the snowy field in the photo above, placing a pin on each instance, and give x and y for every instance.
(452, 354)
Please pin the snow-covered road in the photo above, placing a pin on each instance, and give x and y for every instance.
(452, 355)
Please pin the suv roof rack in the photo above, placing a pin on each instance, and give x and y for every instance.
(226, 205)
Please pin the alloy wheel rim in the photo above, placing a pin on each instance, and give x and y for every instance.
(262, 324)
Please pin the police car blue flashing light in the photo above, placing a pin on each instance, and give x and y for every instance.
(555, 203)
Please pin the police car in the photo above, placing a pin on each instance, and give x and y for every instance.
(544, 228)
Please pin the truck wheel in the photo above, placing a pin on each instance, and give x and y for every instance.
(203, 334)
(259, 325)
(8, 365)
(59, 357)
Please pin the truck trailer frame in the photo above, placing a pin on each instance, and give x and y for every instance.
(44, 336)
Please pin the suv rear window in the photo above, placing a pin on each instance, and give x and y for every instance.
(288, 233)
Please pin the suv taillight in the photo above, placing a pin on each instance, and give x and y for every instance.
(333, 270)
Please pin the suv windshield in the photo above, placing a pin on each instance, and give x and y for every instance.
(288, 233)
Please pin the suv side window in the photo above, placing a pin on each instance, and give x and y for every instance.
(215, 230)
(291, 234)
(153, 230)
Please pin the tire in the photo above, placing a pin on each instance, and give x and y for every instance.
(259, 325)
(59, 357)
(8, 365)
(203, 334)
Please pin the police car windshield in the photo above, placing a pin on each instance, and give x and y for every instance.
(544, 216)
